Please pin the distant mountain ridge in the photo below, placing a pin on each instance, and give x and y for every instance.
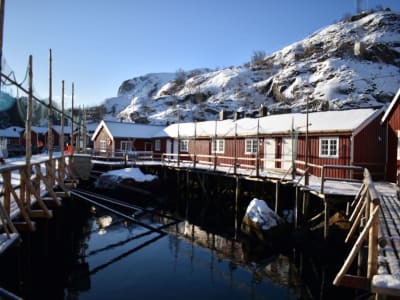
(353, 63)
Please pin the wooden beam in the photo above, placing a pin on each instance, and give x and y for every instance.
(24, 226)
(37, 213)
(356, 282)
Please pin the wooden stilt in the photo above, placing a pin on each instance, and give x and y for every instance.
(277, 186)
(326, 218)
(297, 208)
(237, 195)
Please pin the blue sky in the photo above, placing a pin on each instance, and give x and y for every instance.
(98, 44)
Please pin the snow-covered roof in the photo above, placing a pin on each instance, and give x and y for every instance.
(11, 132)
(319, 122)
(127, 130)
(391, 106)
(57, 128)
(39, 129)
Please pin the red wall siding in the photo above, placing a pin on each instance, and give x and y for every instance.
(370, 148)
(393, 126)
(313, 158)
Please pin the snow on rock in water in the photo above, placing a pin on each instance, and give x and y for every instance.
(259, 213)
(112, 178)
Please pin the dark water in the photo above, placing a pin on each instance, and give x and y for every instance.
(85, 252)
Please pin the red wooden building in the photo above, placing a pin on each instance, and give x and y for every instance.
(115, 138)
(277, 142)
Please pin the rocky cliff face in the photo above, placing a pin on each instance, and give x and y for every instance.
(353, 63)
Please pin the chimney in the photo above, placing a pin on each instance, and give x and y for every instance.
(262, 111)
(222, 115)
(238, 115)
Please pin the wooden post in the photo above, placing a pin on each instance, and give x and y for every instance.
(28, 127)
(62, 142)
(84, 130)
(373, 236)
(297, 208)
(237, 195)
(356, 248)
(306, 175)
(258, 148)
(195, 145)
(72, 122)
(215, 147)
(235, 161)
(50, 166)
(326, 218)
(2, 4)
(277, 186)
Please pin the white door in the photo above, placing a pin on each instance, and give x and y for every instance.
(286, 153)
(176, 148)
(269, 153)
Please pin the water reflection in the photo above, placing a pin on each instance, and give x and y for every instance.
(191, 261)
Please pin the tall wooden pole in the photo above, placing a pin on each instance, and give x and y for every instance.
(2, 4)
(306, 175)
(50, 114)
(62, 166)
(28, 130)
(84, 130)
(72, 120)
(258, 148)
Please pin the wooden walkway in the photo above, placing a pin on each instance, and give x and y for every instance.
(387, 279)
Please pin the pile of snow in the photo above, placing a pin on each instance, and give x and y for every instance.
(111, 179)
(259, 213)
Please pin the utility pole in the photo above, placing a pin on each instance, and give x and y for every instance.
(306, 175)
(72, 120)
(2, 4)
(50, 111)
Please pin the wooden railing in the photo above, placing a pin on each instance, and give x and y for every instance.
(364, 219)
(26, 184)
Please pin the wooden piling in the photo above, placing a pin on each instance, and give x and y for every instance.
(277, 187)
(237, 196)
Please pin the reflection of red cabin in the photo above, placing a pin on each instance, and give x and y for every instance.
(122, 137)
(275, 141)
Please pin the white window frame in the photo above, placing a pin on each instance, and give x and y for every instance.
(125, 146)
(331, 141)
(251, 146)
(103, 145)
(184, 146)
(218, 146)
(157, 145)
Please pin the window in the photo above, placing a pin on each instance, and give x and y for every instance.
(218, 146)
(157, 145)
(126, 146)
(398, 144)
(251, 146)
(329, 147)
(103, 145)
(184, 146)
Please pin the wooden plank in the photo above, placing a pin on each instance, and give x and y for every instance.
(24, 226)
(355, 282)
(40, 214)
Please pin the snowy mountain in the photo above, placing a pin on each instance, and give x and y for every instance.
(353, 63)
